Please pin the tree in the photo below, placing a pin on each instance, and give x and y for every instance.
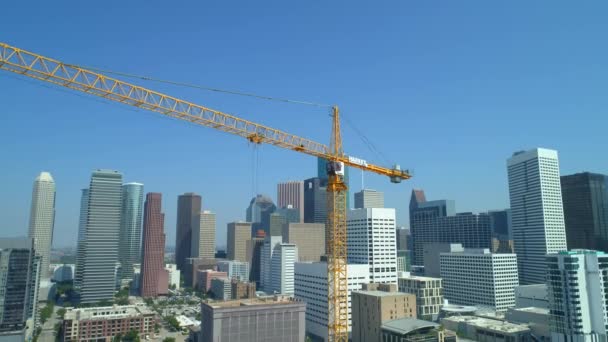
(172, 321)
(131, 336)
(61, 312)
(46, 312)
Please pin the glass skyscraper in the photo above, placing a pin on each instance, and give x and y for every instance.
(585, 197)
(130, 228)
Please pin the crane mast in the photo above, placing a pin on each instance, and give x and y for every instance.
(49, 70)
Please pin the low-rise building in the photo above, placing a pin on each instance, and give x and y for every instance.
(536, 318)
(221, 288)
(235, 269)
(487, 330)
(193, 265)
(415, 330)
(206, 276)
(429, 294)
(103, 323)
(376, 304)
(242, 289)
(174, 276)
(531, 296)
(275, 319)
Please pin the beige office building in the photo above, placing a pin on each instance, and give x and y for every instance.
(203, 241)
(429, 294)
(309, 237)
(238, 234)
(375, 305)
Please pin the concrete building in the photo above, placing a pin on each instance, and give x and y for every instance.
(258, 320)
(438, 222)
(19, 282)
(585, 198)
(203, 240)
(368, 198)
(375, 305)
(154, 278)
(478, 277)
(291, 194)
(291, 214)
(188, 220)
(372, 241)
(100, 237)
(242, 290)
(193, 265)
(432, 253)
(308, 237)
(311, 287)
(238, 270)
(129, 250)
(429, 294)
(206, 276)
(415, 330)
(238, 235)
(42, 219)
(174, 276)
(221, 288)
(315, 200)
(282, 263)
(537, 211)
(531, 296)
(103, 323)
(258, 213)
(537, 319)
(578, 295)
(487, 330)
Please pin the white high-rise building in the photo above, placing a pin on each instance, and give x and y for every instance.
(368, 198)
(311, 287)
(268, 250)
(174, 275)
(203, 240)
(478, 277)
(282, 269)
(537, 211)
(577, 283)
(42, 219)
(371, 240)
(234, 269)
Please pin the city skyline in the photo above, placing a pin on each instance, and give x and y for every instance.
(488, 84)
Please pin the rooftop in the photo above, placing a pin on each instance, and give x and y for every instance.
(383, 293)
(406, 325)
(107, 312)
(276, 300)
(489, 324)
(413, 277)
(532, 309)
(580, 251)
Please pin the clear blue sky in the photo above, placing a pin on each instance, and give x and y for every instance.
(448, 89)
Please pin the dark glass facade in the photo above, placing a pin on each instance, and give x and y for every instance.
(585, 198)
(435, 221)
(17, 276)
(315, 200)
(188, 219)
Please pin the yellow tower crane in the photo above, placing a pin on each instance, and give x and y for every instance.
(80, 79)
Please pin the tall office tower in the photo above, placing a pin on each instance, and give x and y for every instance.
(291, 215)
(42, 219)
(309, 237)
(376, 304)
(81, 244)
(429, 295)
(278, 319)
(403, 234)
(315, 200)
(254, 257)
(18, 280)
(154, 277)
(536, 210)
(585, 198)
(282, 266)
(258, 213)
(101, 235)
(238, 234)
(270, 263)
(291, 194)
(577, 284)
(478, 277)
(188, 220)
(437, 221)
(203, 240)
(311, 287)
(322, 174)
(368, 198)
(130, 228)
(372, 241)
